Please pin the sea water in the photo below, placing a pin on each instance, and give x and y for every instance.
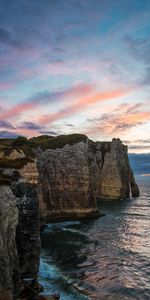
(106, 258)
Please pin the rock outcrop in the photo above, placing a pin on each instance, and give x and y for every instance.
(19, 223)
(116, 179)
(66, 182)
(61, 177)
(28, 229)
(9, 266)
(73, 175)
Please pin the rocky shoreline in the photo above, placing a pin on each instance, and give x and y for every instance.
(47, 179)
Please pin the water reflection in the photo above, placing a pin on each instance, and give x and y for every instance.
(107, 258)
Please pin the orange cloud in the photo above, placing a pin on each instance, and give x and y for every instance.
(81, 104)
(118, 121)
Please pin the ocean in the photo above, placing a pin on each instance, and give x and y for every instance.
(105, 258)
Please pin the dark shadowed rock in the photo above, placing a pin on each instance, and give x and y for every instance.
(9, 268)
(27, 234)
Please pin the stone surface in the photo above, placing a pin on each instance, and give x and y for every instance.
(64, 179)
(9, 271)
(116, 179)
(12, 154)
(28, 229)
(71, 177)
(66, 182)
(29, 173)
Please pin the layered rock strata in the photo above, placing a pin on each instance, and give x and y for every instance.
(28, 230)
(9, 265)
(72, 176)
(62, 178)
(19, 225)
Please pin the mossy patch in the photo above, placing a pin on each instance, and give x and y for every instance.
(20, 143)
(6, 142)
(15, 164)
(49, 142)
(43, 141)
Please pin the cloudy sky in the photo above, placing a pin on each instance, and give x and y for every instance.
(76, 66)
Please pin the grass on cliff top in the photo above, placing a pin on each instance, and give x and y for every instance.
(49, 142)
(6, 142)
(43, 141)
(20, 143)
(14, 164)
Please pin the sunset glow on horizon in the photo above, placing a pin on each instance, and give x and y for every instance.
(76, 67)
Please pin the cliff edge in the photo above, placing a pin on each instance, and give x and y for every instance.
(74, 172)
(52, 178)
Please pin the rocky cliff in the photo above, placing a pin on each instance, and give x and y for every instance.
(74, 172)
(19, 224)
(9, 266)
(61, 178)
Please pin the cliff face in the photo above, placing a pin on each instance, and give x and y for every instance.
(72, 176)
(116, 179)
(28, 229)
(66, 182)
(19, 223)
(62, 177)
(9, 270)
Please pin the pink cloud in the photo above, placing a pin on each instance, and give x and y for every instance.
(17, 109)
(119, 121)
(81, 104)
(38, 99)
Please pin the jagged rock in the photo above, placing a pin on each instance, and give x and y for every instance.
(28, 229)
(65, 176)
(30, 173)
(9, 270)
(66, 182)
(12, 154)
(73, 175)
(19, 235)
(116, 179)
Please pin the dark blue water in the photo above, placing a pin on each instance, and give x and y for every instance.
(106, 258)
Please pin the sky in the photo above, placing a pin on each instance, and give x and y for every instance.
(76, 66)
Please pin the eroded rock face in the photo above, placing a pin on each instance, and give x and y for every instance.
(66, 178)
(66, 182)
(116, 179)
(19, 229)
(12, 154)
(28, 229)
(73, 176)
(9, 267)
(29, 173)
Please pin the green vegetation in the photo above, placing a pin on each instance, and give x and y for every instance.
(43, 141)
(6, 142)
(49, 142)
(40, 140)
(15, 164)
(20, 141)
